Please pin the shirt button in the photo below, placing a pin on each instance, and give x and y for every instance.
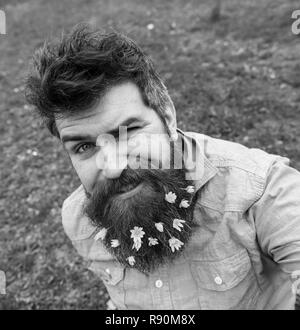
(218, 280)
(158, 283)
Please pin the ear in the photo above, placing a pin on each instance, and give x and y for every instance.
(170, 118)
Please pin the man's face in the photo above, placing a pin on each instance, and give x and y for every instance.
(122, 105)
(145, 213)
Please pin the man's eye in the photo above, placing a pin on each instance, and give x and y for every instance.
(132, 128)
(81, 148)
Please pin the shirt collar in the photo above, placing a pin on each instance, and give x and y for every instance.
(200, 170)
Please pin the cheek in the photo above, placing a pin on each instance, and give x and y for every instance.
(152, 143)
(161, 145)
(87, 172)
(155, 147)
(166, 154)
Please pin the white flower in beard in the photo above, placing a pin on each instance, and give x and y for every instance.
(131, 260)
(137, 234)
(178, 224)
(190, 189)
(101, 234)
(184, 203)
(152, 241)
(159, 226)
(137, 245)
(114, 243)
(175, 244)
(170, 197)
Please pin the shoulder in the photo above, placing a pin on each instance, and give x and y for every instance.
(242, 172)
(77, 226)
(223, 153)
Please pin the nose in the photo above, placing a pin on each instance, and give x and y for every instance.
(111, 158)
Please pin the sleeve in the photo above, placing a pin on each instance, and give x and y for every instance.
(277, 216)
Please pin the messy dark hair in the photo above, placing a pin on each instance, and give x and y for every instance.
(71, 75)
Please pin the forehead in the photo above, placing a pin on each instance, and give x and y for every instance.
(118, 103)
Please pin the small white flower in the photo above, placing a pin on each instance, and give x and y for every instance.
(178, 224)
(152, 241)
(101, 234)
(184, 203)
(159, 226)
(175, 244)
(110, 306)
(137, 233)
(137, 244)
(190, 189)
(114, 243)
(131, 260)
(150, 26)
(170, 197)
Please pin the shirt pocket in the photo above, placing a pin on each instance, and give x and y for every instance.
(229, 283)
(112, 276)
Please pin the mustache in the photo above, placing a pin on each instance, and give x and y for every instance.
(154, 182)
(130, 179)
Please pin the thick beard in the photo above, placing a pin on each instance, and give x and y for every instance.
(119, 213)
(110, 207)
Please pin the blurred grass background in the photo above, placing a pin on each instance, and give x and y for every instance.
(232, 74)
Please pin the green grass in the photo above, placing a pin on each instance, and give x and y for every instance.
(236, 78)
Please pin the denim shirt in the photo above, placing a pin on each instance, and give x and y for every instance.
(242, 254)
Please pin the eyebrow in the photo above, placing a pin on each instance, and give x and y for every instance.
(68, 138)
(114, 132)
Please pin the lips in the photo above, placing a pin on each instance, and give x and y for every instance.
(129, 187)
(131, 190)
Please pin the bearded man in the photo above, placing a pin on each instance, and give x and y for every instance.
(192, 222)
